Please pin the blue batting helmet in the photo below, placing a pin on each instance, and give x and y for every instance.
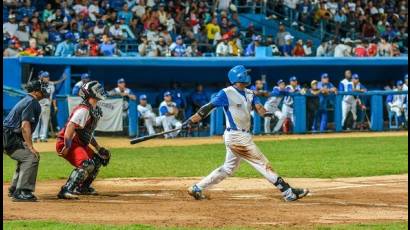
(239, 74)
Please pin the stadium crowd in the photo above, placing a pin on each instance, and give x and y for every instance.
(175, 104)
(198, 27)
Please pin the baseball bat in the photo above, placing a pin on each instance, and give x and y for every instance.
(149, 137)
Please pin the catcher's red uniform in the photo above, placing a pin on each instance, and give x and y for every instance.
(79, 150)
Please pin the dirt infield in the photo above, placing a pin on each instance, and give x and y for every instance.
(121, 142)
(235, 202)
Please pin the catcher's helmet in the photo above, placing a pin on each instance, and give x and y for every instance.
(38, 85)
(92, 89)
(239, 74)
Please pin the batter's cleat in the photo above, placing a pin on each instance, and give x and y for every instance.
(23, 196)
(85, 191)
(196, 193)
(67, 195)
(12, 190)
(293, 194)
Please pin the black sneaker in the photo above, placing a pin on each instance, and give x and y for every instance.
(67, 195)
(85, 191)
(24, 196)
(11, 191)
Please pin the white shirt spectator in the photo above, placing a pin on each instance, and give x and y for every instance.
(223, 4)
(291, 3)
(22, 36)
(92, 10)
(222, 49)
(342, 50)
(139, 10)
(352, 6)
(308, 50)
(374, 11)
(10, 28)
(332, 7)
(170, 24)
(150, 3)
(78, 8)
(321, 51)
(116, 32)
(152, 36)
(98, 31)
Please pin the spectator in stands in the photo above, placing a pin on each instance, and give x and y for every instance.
(27, 9)
(361, 49)
(168, 111)
(193, 49)
(33, 50)
(269, 43)
(178, 48)
(372, 49)
(390, 33)
(280, 37)
(313, 116)
(397, 104)
(384, 48)
(369, 30)
(344, 49)
(322, 14)
(199, 98)
(107, 47)
(222, 49)
(147, 48)
(288, 47)
(94, 10)
(139, 9)
(163, 49)
(10, 27)
(125, 14)
(122, 91)
(66, 47)
(48, 11)
(251, 48)
(85, 77)
(308, 48)
(22, 34)
(93, 46)
(235, 46)
(100, 29)
(12, 50)
(290, 11)
(41, 35)
(81, 48)
(223, 4)
(136, 27)
(298, 50)
(146, 113)
(212, 28)
(116, 31)
(326, 90)
(322, 50)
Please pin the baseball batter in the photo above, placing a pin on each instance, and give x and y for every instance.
(272, 106)
(73, 143)
(237, 102)
(145, 111)
(168, 111)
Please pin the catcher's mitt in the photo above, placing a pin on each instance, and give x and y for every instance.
(105, 156)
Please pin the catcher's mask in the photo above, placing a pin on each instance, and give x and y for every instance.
(92, 89)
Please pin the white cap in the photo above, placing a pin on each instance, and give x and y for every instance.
(288, 37)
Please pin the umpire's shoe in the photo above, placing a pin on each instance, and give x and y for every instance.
(65, 194)
(196, 193)
(23, 196)
(293, 194)
(12, 190)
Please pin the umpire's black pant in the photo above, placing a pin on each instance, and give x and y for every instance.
(26, 172)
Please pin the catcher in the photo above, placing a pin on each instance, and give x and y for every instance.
(74, 139)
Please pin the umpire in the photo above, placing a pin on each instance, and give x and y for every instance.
(18, 127)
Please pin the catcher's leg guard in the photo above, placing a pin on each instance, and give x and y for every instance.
(77, 177)
(85, 187)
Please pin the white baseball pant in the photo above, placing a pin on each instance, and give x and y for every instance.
(349, 106)
(239, 145)
(288, 113)
(168, 122)
(278, 114)
(42, 126)
(150, 120)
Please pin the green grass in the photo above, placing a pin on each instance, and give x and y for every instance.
(314, 158)
(50, 225)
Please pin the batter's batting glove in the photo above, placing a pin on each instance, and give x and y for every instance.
(187, 124)
(268, 114)
(105, 156)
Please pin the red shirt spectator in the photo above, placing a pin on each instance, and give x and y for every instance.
(298, 51)
(372, 50)
(93, 46)
(360, 51)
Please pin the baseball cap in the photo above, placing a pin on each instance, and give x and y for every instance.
(69, 35)
(143, 97)
(399, 82)
(293, 78)
(324, 76)
(288, 37)
(314, 82)
(355, 76)
(121, 80)
(179, 37)
(43, 74)
(167, 94)
(85, 76)
(280, 81)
